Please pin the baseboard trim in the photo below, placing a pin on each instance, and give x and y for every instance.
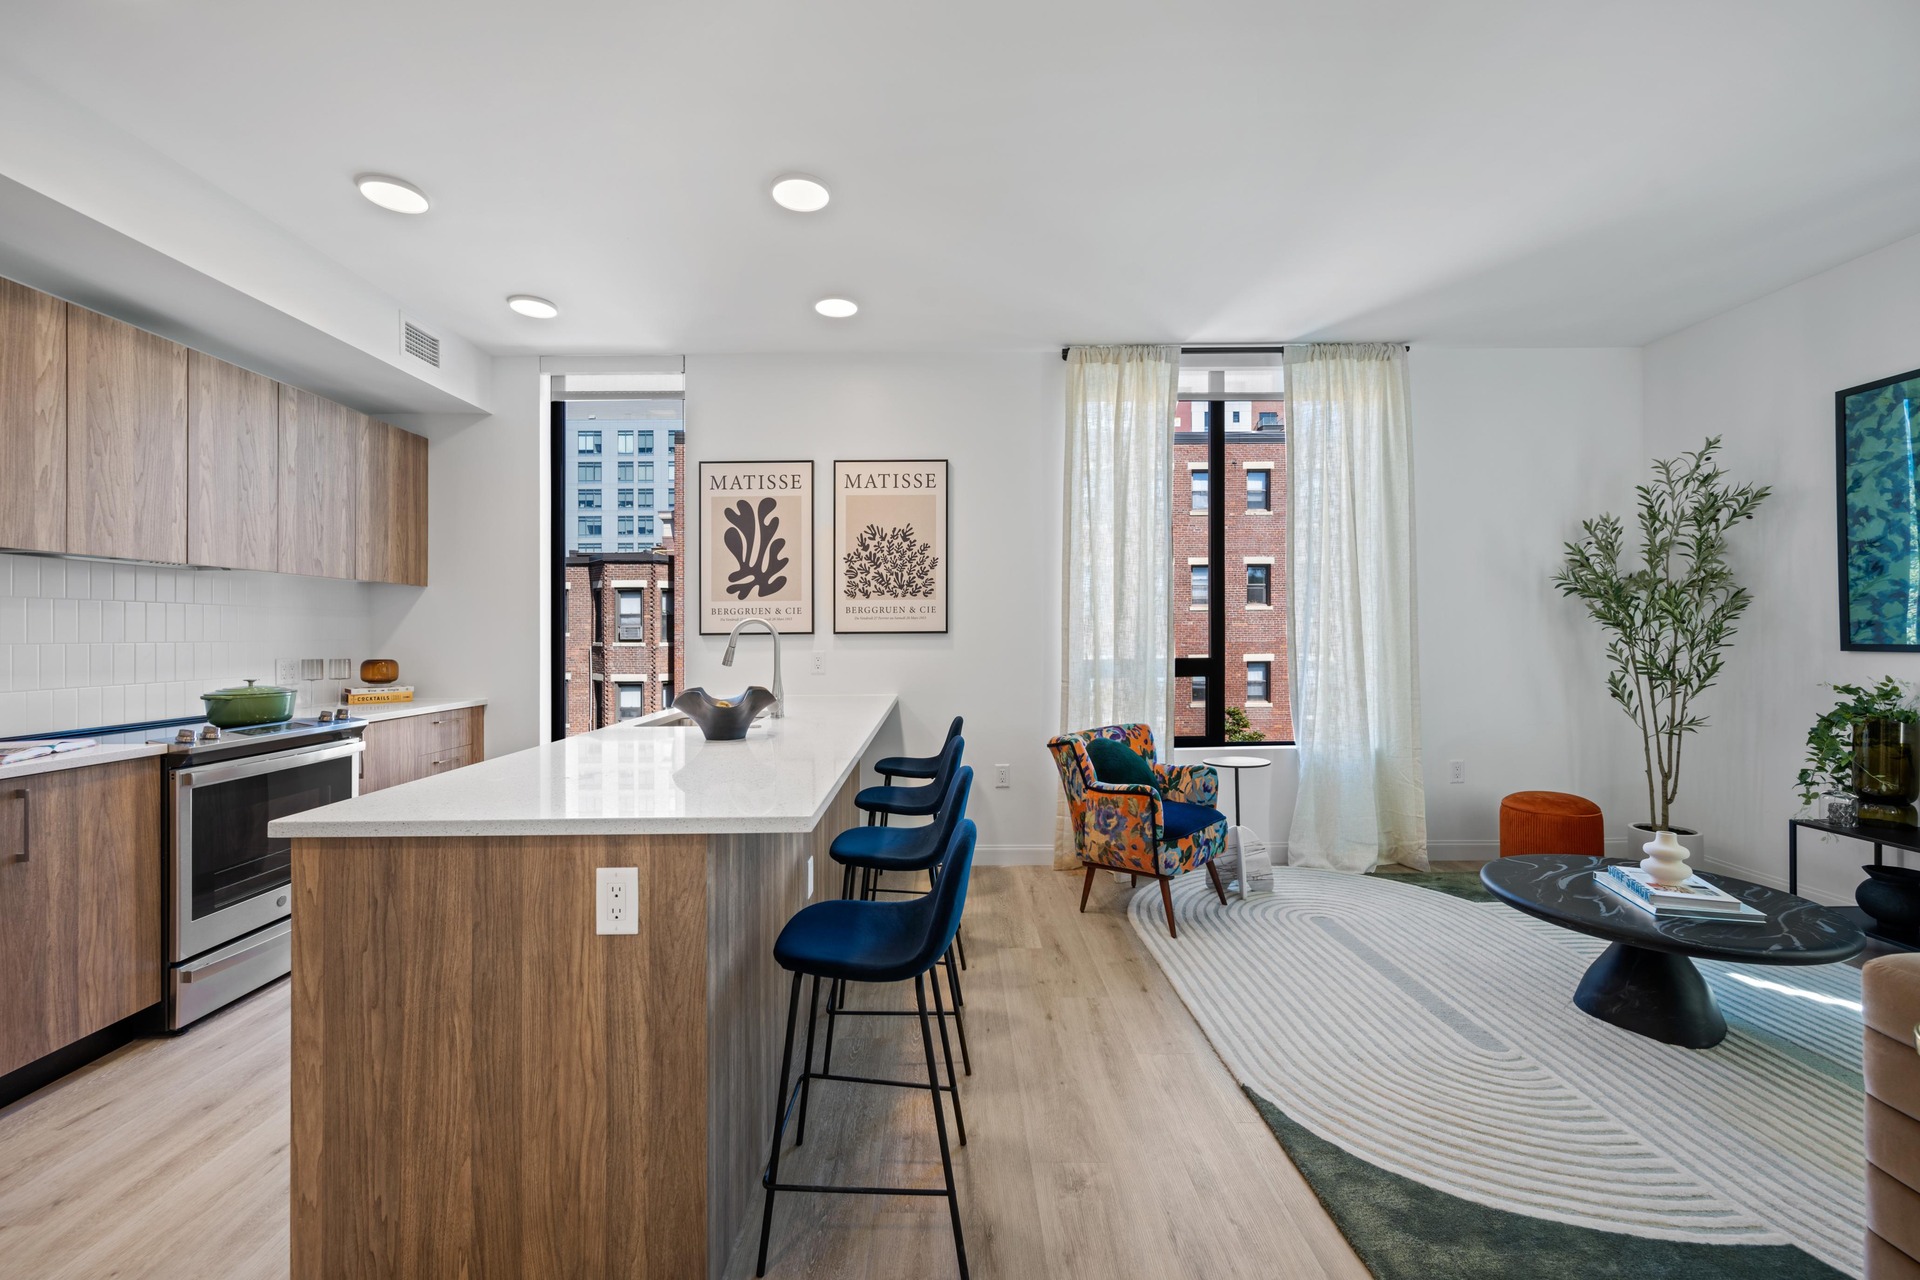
(41, 1072)
(1013, 855)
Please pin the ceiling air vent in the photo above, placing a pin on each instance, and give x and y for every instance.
(418, 343)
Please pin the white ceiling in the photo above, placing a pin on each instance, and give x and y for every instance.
(1016, 175)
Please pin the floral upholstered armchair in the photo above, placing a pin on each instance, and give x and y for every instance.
(1157, 831)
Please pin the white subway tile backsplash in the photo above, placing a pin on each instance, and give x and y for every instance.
(86, 643)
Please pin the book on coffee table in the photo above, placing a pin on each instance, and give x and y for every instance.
(1674, 902)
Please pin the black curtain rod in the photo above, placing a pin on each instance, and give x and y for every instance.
(1228, 351)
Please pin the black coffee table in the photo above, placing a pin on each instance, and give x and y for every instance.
(1645, 982)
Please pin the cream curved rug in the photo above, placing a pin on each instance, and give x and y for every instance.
(1437, 1038)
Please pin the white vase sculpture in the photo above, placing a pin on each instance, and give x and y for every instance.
(1666, 860)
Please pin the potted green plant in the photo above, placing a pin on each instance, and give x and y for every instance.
(1861, 754)
(1669, 618)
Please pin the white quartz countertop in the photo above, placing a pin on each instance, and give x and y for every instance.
(633, 778)
(105, 753)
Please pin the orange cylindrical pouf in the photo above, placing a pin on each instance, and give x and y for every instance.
(1551, 822)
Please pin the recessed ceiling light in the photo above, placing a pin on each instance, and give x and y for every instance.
(836, 308)
(528, 305)
(798, 192)
(392, 193)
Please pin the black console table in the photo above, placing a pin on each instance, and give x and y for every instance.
(1881, 835)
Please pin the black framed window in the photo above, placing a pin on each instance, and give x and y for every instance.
(1259, 488)
(589, 500)
(589, 473)
(1259, 585)
(1230, 681)
(1259, 681)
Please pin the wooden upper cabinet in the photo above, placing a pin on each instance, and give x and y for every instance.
(126, 441)
(392, 535)
(233, 474)
(319, 470)
(33, 419)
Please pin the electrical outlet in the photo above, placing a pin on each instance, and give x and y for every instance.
(819, 664)
(809, 877)
(1003, 775)
(1456, 771)
(616, 899)
(286, 672)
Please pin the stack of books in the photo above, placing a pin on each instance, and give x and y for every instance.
(375, 694)
(1693, 899)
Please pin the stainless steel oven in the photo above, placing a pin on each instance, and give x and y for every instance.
(230, 883)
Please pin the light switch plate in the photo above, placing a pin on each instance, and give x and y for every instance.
(616, 899)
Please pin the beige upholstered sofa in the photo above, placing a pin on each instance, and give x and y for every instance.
(1893, 1117)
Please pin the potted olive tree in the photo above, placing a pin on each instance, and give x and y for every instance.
(1668, 614)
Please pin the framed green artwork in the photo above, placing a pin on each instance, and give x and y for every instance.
(1877, 426)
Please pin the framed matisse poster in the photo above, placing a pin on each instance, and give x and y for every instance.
(890, 559)
(1877, 426)
(756, 545)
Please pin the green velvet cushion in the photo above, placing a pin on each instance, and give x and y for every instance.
(1116, 762)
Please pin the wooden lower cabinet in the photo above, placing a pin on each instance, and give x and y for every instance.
(80, 904)
(404, 748)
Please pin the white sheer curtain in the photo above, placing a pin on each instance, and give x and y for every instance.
(1116, 657)
(1356, 689)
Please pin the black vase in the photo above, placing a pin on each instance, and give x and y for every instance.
(1884, 777)
(1891, 895)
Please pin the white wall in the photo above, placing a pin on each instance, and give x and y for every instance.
(1764, 376)
(1512, 449)
(479, 628)
(87, 643)
(1000, 419)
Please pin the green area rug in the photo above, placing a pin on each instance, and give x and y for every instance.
(1459, 884)
(1405, 1231)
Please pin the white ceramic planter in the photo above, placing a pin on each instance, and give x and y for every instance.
(1639, 834)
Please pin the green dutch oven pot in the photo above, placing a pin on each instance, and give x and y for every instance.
(255, 704)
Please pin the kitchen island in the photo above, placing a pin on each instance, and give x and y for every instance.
(485, 1085)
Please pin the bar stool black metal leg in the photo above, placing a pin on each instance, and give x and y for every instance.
(836, 995)
(806, 1068)
(961, 942)
(939, 1124)
(959, 1019)
(779, 1122)
(946, 1051)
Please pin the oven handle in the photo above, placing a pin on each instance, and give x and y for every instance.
(207, 968)
(269, 763)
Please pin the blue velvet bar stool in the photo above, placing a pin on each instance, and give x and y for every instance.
(891, 767)
(912, 802)
(888, 801)
(856, 940)
(874, 850)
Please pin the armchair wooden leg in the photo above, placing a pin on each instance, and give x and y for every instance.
(1166, 900)
(1086, 888)
(1213, 873)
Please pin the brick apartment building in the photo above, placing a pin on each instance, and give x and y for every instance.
(1253, 579)
(623, 638)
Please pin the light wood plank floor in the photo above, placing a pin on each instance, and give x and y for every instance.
(1105, 1138)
